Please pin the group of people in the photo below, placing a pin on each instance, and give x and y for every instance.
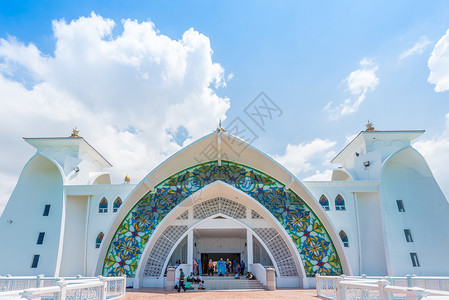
(226, 268)
(190, 280)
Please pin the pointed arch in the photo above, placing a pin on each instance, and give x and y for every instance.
(344, 238)
(117, 204)
(340, 202)
(99, 240)
(299, 221)
(103, 206)
(324, 202)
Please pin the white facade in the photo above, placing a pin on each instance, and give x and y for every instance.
(376, 172)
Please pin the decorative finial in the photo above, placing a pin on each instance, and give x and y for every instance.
(369, 126)
(75, 133)
(220, 128)
(127, 179)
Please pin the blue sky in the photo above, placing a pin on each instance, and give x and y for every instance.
(303, 55)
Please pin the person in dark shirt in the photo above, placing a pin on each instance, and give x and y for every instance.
(181, 281)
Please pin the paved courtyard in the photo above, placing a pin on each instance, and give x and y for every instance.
(160, 293)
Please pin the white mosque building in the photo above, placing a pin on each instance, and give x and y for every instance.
(382, 213)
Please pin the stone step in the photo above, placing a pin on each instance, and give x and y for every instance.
(229, 283)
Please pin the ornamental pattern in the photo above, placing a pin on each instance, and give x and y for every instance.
(303, 226)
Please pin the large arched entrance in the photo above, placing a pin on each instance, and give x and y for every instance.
(299, 224)
(207, 213)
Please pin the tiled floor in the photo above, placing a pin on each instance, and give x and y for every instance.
(160, 293)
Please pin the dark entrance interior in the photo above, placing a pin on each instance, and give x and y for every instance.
(216, 257)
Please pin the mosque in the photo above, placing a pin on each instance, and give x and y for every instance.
(382, 213)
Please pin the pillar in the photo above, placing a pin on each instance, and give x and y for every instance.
(271, 279)
(190, 249)
(170, 278)
(249, 247)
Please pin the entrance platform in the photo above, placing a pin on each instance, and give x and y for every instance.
(230, 283)
(162, 293)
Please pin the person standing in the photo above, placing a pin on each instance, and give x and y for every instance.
(221, 267)
(242, 268)
(228, 267)
(210, 269)
(236, 269)
(181, 281)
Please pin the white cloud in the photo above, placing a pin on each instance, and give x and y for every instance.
(128, 94)
(439, 64)
(359, 82)
(304, 157)
(418, 48)
(320, 176)
(436, 153)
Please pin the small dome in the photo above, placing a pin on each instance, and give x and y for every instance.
(127, 178)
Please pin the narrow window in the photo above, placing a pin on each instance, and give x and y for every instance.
(408, 236)
(99, 239)
(35, 261)
(40, 239)
(344, 238)
(414, 258)
(400, 205)
(117, 204)
(46, 210)
(339, 203)
(324, 203)
(103, 206)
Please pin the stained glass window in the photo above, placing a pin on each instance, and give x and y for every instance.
(103, 206)
(339, 203)
(117, 204)
(99, 239)
(344, 238)
(324, 202)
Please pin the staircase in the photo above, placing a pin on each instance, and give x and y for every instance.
(229, 283)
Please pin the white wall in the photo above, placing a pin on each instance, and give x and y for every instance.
(39, 184)
(74, 247)
(373, 261)
(101, 222)
(408, 178)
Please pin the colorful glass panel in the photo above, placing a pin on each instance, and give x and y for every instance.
(340, 203)
(324, 202)
(99, 239)
(103, 206)
(344, 238)
(117, 204)
(305, 229)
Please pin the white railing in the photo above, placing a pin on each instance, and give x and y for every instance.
(259, 272)
(63, 288)
(19, 283)
(342, 287)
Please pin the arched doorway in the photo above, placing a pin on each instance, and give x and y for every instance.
(213, 201)
(300, 224)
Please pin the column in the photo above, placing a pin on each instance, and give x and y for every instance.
(190, 249)
(249, 247)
